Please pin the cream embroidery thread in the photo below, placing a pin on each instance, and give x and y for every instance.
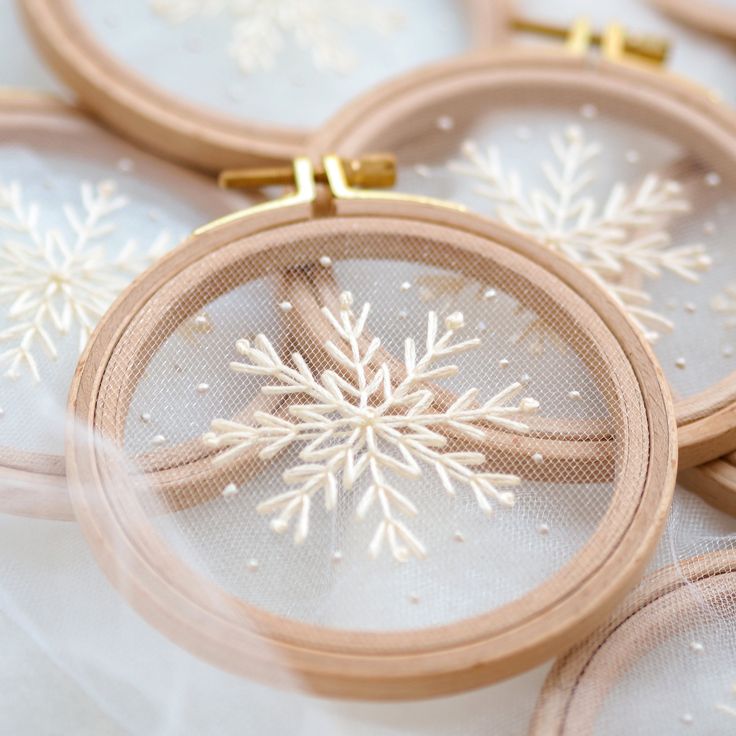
(262, 29)
(725, 304)
(369, 426)
(54, 280)
(624, 235)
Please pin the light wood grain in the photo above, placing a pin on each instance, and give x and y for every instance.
(242, 638)
(187, 133)
(576, 689)
(704, 15)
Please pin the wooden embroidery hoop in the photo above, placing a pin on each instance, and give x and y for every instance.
(170, 126)
(660, 601)
(711, 17)
(707, 420)
(31, 483)
(242, 638)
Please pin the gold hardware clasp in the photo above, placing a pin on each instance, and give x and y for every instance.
(615, 42)
(346, 179)
(375, 171)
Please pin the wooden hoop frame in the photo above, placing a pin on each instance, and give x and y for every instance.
(185, 132)
(247, 640)
(34, 484)
(706, 421)
(704, 15)
(714, 482)
(662, 599)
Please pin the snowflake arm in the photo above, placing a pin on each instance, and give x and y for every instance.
(725, 303)
(624, 236)
(635, 302)
(365, 426)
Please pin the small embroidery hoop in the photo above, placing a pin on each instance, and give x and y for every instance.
(706, 421)
(705, 15)
(172, 127)
(662, 598)
(34, 484)
(227, 631)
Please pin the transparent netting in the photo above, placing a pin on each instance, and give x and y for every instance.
(81, 214)
(83, 660)
(665, 662)
(636, 187)
(284, 62)
(363, 426)
(191, 385)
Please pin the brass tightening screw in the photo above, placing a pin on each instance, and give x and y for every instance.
(374, 171)
(646, 47)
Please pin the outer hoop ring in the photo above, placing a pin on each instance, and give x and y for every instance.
(442, 660)
(706, 422)
(175, 129)
(556, 713)
(31, 483)
(704, 15)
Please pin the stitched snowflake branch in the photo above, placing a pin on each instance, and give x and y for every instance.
(367, 426)
(261, 29)
(53, 281)
(725, 304)
(623, 236)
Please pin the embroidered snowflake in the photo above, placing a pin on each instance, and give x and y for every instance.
(725, 303)
(52, 281)
(620, 242)
(371, 426)
(263, 29)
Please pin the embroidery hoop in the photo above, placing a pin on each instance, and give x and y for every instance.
(186, 132)
(711, 17)
(33, 483)
(707, 419)
(202, 616)
(661, 600)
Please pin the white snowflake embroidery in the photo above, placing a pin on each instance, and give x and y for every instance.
(52, 281)
(371, 425)
(725, 303)
(262, 29)
(618, 242)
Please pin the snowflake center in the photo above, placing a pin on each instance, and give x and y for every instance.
(366, 417)
(362, 425)
(59, 278)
